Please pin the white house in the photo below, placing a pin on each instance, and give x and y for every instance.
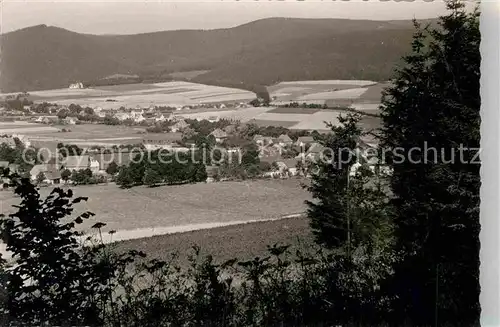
(138, 118)
(70, 121)
(122, 116)
(94, 165)
(179, 126)
(77, 85)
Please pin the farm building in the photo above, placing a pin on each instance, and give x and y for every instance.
(304, 140)
(76, 162)
(50, 172)
(284, 140)
(179, 126)
(219, 135)
(262, 140)
(121, 158)
(161, 141)
(78, 85)
(212, 173)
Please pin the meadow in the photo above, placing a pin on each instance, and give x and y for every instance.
(243, 241)
(144, 95)
(183, 205)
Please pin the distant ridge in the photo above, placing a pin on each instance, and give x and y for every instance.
(262, 52)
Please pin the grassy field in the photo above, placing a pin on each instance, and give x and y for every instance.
(143, 207)
(244, 241)
(278, 123)
(144, 95)
(283, 110)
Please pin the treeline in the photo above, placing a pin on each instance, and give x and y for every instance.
(16, 102)
(157, 167)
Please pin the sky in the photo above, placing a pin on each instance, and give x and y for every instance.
(140, 16)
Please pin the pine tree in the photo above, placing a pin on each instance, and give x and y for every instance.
(434, 103)
(346, 211)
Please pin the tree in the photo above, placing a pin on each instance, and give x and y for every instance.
(152, 177)
(329, 185)
(434, 103)
(124, 179)
(112, 168)
(66, 174)
(40, 178)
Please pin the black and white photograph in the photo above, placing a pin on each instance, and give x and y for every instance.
(249, 163)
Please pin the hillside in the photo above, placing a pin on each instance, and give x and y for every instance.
(258, 53)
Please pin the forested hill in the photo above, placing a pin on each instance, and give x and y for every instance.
(262, 52)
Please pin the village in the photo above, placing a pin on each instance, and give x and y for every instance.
(279, 152)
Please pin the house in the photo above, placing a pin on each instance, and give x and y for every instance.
(314, 152)
(50, 172)
(94, 165)
(219, 135)
(159, 117)
(179, 126)
(284, 140)
(213, 119)
(291, 165)
(302, 141)
(69, 121)
(161, 141)
(122, 116)
(262, 140)
(52, 177)
(121, 158)
(138, 118)
(76, 162)
(212, 173)
(76, 86)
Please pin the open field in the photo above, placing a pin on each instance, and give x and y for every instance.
(244, 241)
(168, 206)
(283, 110)
(334, 92)
(22, 127)
(144, 95)
(188, 74)
(353, 93)
(265, 116)
(45, 136)
(277, 123)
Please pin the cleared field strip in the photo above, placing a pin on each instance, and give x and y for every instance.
(27, 130)
(133, 234)
(317, 121)
(342, 94)
(283, 117)
(241, 114)
(331, 82)
(366, 106)
(264, 123)
(283, 110)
